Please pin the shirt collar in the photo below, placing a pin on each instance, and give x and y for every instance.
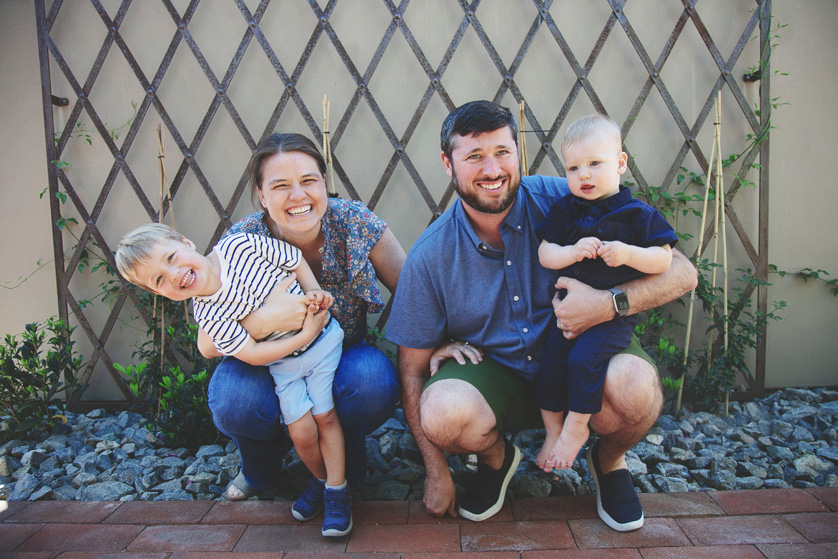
(612, 202)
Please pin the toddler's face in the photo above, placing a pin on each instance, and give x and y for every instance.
(594, 166)
(175, 270)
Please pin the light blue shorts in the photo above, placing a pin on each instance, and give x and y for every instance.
(304, 382)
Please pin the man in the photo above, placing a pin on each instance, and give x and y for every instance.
(473, 276)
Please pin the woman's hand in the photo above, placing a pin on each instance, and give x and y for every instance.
(282, 312)
(460, 351)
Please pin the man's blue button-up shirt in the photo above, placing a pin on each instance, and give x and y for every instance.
(454, 286)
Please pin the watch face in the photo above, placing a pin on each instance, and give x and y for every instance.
(622, 302)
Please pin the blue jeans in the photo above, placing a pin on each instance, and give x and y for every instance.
(244, 407)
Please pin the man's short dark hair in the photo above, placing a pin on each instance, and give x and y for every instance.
(475, 118)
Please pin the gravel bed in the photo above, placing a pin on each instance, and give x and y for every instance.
(787, 439)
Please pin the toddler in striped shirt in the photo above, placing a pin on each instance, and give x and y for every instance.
(226, 286)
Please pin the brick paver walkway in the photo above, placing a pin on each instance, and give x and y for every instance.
(773, 524)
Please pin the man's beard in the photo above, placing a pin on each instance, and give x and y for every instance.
(471, 198)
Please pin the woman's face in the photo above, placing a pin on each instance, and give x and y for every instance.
(293, 191)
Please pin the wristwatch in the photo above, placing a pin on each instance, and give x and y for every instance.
(621, 301)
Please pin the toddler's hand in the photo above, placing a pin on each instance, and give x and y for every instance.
(314, 321)
(322, 300)
(587, 248)
(614, 253)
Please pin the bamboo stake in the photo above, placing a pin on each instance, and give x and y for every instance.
(522, 143)
(327, 147)
(698, 259)
(720, 196)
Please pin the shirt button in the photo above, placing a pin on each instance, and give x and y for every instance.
(509, 262)
(482, 247)
(529, 357)
(515, 298)
(526, 330)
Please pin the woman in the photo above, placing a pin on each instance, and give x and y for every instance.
(349, 248)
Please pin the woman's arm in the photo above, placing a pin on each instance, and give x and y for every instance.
(387, 257)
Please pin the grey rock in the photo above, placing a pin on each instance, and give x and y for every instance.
(24, 488)
(529, 485)
(175, 495)
(8, 464)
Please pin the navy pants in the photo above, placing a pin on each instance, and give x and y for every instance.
(572, 372)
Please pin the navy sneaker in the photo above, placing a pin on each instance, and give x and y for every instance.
(485, 496)
(337, 518)
(616, 500)
(308, 505)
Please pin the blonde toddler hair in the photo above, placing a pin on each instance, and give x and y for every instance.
(136, 246)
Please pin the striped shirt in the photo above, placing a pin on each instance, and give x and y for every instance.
(251, 266)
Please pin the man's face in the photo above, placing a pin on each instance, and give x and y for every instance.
(485, 170)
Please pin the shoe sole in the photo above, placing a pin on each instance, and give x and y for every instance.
(494, 509)
(335, 533)
(302, 518)
(603, 515)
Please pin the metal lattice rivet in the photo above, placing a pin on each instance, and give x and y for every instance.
(82, 96)
(690, 139)
(362, 85)
(397, 17)
(289, 87)
(149, 92)
(547, 145)
(654, 74)
(618, 11)
(323, 20)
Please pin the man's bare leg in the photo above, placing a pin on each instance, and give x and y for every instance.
(631, 403)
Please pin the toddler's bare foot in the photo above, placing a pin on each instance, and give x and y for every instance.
(567, 447)
(545, 455)
(553, 422)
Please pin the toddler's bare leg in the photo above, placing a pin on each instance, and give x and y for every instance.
(304, 433)
(574, 434)
(553, 422)
(332, 447)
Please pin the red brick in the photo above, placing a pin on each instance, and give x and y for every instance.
(341, 555)
(733, 530)
(226, 555)
(12, 535)
(583, 554)
(289, 538)
(27, 554)
(250, 512)
(679, 504)
(767, 501)
(410, 538)
(187, 538)
(159, 512)
(95, 555)
(68, 512)
(554, 508)
(593, 534)
(798, 551)
(380, 512)
(817, 527)
(510, 536)
(708, 552)
(9, 508)
(458, 555)
(82, 537)
(827, 495)
(418, 515)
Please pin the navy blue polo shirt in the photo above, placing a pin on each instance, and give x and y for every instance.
(454, 286)
(617, 218)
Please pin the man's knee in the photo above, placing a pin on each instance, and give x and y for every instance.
(632, 388)
(450, 410)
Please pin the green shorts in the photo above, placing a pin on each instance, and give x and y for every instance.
(511, 397)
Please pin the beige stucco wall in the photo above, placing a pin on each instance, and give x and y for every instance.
(801, 350)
